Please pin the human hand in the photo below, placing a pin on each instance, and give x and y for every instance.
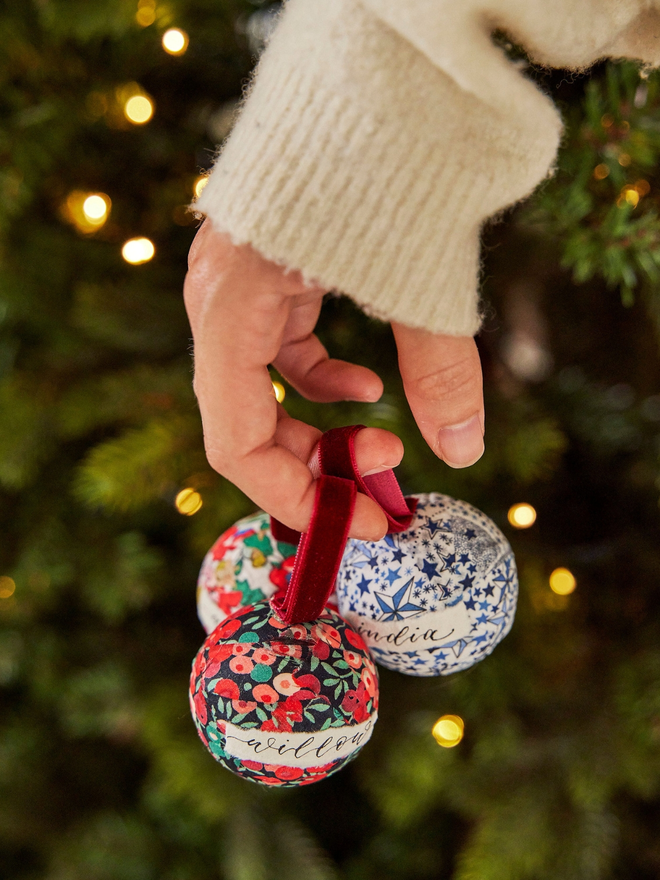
(246, 313)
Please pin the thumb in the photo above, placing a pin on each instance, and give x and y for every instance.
(442, 380)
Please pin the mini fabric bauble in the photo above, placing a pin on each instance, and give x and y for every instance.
(246, 564)
(283, 705)
(436, 598)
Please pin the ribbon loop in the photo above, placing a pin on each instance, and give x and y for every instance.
(321, 547)
(319, 552)
(336, 452)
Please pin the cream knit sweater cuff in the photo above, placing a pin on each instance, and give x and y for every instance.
(361, 163)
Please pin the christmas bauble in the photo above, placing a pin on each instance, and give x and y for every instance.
(435, 598)
(283, 705)
(246, 564)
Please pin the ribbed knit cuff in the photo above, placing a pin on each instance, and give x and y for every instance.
(359, 163)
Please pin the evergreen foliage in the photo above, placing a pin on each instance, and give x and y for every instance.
(101, 772)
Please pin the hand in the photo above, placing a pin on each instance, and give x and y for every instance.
(246, 313)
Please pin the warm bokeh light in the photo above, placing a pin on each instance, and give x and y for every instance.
(138, 109)
(521, 516)
(96, 208)
(86, 211)
(629, 196)
(643, 187)
(280, 393)
(606, 120)
(7, 587)
(448, 731)
(624, 159)
(199, 184)
(188, 502)
(601, 171)
(146, 13)
(175, 41)
(138, 250)
(562, 582)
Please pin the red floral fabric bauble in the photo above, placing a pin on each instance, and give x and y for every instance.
(283, 705)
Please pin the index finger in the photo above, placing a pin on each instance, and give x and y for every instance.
(238, 304)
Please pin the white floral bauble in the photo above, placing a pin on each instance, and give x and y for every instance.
(246, 564)
(436, 598)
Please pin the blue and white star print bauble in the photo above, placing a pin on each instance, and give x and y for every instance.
(436, 598)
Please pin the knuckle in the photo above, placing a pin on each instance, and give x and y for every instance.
(456, 379)
(217, 459)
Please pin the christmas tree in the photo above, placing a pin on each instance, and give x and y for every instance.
(112, 111)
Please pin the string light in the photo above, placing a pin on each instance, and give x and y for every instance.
(146, 13)
(96, 208)
(199, 184)
(138, 250)
(521, 516)
(86, 211)
(448, 731)
(279, 391)
(139, 109)
(601, 171)
(562, 582)
(628, 196)
(188, 502)
(175, 41)
(7, 587)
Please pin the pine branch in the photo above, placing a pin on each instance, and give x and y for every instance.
(139, 466)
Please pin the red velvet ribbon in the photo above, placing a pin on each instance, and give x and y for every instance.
(321, 547)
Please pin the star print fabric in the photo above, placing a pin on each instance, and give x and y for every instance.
(283, 705)
(436, 598)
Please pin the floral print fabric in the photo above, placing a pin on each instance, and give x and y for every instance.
(283, 704)
(246, 564)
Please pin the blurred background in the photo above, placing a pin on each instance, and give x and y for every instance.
(110, 114)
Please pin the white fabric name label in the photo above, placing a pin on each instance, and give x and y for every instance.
(297, 749)
(424, 631)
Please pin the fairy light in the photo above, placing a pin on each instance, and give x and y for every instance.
(521, 516)
(86, 211)
(278, 390)
(643, 187)
(624, 159)
(601, 171)
(199, 184)
(138, 109)
(629, 195)
(146, 13)
(138, 250)
(448, 731)
(96, 208)
(562, 582)
(188, 502)
(7, 587)
(175, 41)
(606, 120)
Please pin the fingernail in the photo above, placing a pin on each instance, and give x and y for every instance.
(378, 470)
(463, 444)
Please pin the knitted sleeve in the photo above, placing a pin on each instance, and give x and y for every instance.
(379, 135)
